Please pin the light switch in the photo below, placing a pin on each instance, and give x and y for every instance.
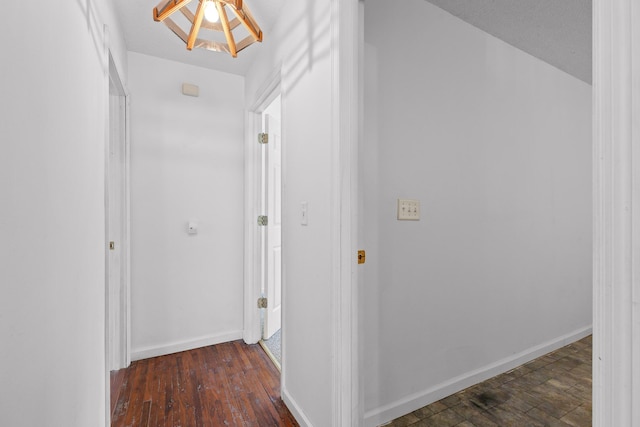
(304, 213)
(408, 210)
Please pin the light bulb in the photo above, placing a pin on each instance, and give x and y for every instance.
(211, 11)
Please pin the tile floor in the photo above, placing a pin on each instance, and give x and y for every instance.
(553, 390)
(274, 346)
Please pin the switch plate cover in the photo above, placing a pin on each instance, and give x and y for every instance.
(408, 210)
(304, 213)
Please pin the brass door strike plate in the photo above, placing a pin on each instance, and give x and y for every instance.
(362, 257)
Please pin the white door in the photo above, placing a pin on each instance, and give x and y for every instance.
(273, 258)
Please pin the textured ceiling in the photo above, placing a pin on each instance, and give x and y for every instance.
(142, 34)
(555, 31)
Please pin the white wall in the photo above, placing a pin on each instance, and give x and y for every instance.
(299, 45)
(186, 165)
(54, 98)
(497, 147)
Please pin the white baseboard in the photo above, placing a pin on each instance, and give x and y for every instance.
(295, 409)
(175, 347)
(417, 400)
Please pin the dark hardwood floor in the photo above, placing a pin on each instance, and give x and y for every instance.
(231, 384)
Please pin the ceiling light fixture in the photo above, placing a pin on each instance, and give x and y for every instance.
(207, 15)
(211, 11)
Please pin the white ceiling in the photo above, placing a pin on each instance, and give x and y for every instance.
(144, 35)
(556, 31)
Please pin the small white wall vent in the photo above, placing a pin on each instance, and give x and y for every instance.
(190, 90)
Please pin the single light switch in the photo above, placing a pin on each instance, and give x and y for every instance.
(304, 213)
(408, 210)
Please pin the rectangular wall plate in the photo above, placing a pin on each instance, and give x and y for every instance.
(304, 213)
(408, 210)
(190, 90)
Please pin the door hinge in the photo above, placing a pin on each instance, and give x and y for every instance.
(362, 257)
(263, 138)
(263, 220)
(262, 302)
(112, 246)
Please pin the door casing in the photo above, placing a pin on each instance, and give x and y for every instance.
(252, 259)
(117, 306)
(272, 188)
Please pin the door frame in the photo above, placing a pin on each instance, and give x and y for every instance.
(122, 308)
(270, 237)
(251, 333)
(616, 222)
(347, 26)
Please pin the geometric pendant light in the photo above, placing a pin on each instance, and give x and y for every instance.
(209, 17)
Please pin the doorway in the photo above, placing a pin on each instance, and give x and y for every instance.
(117, 226)
(271, 230)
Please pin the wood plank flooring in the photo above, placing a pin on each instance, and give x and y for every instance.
(231, 384)
(552, 390)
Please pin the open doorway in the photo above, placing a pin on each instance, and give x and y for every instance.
(117, 334)
(117, 226)
(271, 230)
(117, 220)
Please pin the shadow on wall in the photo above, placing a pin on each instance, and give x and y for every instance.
(96, 31)
(312, 48)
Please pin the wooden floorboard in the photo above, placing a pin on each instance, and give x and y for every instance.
(117, 378)
(231, 384)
